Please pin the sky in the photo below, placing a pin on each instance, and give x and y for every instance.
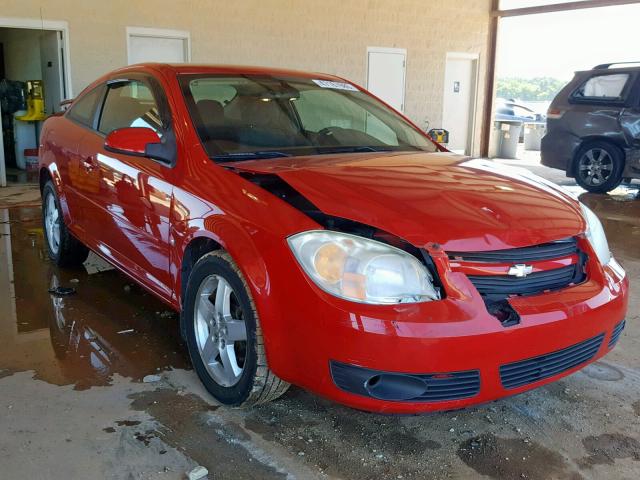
(558, 44)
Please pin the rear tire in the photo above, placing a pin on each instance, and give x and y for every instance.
(223, 334)
(598, 167)
(63, 248)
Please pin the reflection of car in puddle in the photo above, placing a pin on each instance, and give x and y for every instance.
(91, 345)
(619, 212)
(76, 344)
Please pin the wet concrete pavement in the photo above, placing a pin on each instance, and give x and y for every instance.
(73, 403)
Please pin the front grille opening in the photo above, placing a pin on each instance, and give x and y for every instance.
(531, 370)
(496, 289)
(615, 334)
(502, 286)
(544, 251)
(499, 287)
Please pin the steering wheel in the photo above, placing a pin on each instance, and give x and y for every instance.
(328, 131)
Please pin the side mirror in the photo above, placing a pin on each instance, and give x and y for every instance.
(130, 140)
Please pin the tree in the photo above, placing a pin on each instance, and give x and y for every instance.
(529, 89)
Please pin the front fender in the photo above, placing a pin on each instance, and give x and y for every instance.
(49, 170)
(248, 247)
(232, 237)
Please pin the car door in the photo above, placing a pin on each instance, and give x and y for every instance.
(78, 179)
(131, 223)
(630, 119)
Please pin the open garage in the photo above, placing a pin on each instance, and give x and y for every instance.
(344, 239)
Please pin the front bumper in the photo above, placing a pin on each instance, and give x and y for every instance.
(435, 342)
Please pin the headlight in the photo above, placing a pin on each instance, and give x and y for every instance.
(362, 270)
(596, 236)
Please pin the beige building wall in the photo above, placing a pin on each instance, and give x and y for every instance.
(331, 36)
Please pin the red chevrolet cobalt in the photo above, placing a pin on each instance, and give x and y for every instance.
(309, 234)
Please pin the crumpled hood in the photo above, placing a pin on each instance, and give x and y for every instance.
(462, 204)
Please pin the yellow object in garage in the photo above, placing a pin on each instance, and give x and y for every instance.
(440, 135)
(35, 102)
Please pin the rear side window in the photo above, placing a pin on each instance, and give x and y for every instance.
(83, 109)
(603, 87)
(130, 104)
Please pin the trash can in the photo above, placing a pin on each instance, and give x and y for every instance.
(533, 133)
(24, 134)
(31, 159)
(506, 135)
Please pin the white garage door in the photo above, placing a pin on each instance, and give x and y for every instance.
(150, 45)
(385, 75)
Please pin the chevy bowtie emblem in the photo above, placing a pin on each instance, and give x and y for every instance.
(521, 270)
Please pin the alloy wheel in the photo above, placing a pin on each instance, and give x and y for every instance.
(595, 167)
(52, 223)
(220, 331)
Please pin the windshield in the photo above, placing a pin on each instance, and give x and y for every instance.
(250, 116)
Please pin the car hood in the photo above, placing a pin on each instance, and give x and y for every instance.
(462, 204)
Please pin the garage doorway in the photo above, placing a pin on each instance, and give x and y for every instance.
(386, 70)
(32, 49)
(459, 100)
(157, 45)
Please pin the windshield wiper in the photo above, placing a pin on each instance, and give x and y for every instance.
(364, 148)
(237, 157)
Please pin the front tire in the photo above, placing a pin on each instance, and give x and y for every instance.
(63, 248)
(223, 334)
(599, 166)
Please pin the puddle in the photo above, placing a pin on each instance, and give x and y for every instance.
(512, 458)
(186, 424)
(619, 213)
(345, 443)
(606, 448)
(75, 339)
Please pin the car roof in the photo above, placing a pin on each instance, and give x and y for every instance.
(616, 67)
(204, 69)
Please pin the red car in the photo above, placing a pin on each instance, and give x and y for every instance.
(311, 235)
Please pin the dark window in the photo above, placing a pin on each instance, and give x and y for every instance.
(261, 116)
(130, 104)
(84, 108)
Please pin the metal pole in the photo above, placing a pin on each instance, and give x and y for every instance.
(487, 124)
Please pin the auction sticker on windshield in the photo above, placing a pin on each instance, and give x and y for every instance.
(335, 85)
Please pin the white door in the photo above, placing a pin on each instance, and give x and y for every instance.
(152, 45)
(459, 102)
(386, 74)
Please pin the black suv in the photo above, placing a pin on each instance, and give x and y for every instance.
(593, 127)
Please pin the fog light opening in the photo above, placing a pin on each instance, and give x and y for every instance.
(372, 382)
(391, 386)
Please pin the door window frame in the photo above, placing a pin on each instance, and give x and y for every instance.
(92, 125)
(159, 95)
